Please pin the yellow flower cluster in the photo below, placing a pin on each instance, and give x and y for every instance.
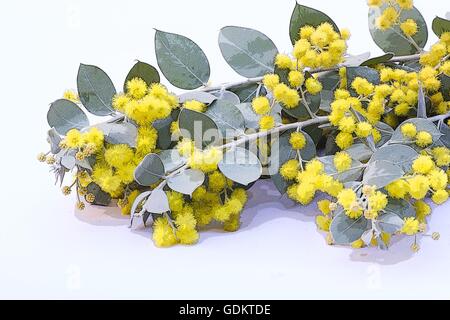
(421, 138)
(204, 160)
(390, 16)
(87, 143)
(145, 104)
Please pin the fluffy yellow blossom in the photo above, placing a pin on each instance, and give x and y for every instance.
(377, 202)
(422, 210)
(409, 27)
(266, 122)
(118, 155)
(409, 130)
(410, 226)
(348, 200)
(71, 95)
(363, 129)
(205, 160)
(440, 196)
(120, 101)
(345, 34)
(270, 81)
(405, 4)
(195, 106)
(441, 156)
(289, 170)
(362, 86)
(324, 206)
(261, 105)
(136, 88)
(297, 140)
(398, 189)
(424, 139)
(387, 18)
(342, 161)
(438, 179)
(418, 186)
(323, 223)
(375, 3)
(313, 86)
(347, 124)
(185, 147)
(423, 164)
(289, 97)
(296, 78)
(216, 181)
(344, 140)
(163, 233)
(73, 138)
(283, 61)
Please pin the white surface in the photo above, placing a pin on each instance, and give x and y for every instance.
(47, 250)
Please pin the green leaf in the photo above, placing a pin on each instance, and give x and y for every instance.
(64, 115)
(330, 82)
(95, 89)
(386, 132)
(352, 174)
(249, 52)
(186, 181)
(400, 207)
(200, 96)
(227, 95)
(440, 26)
(119, 133)
(149, 171)
(247, 92)
(250, 117)
(378, 60)
(346, 230)
(101, 197)
(227, 117)
(171, 159)
(390, 223)
(241, 166)
(164, 135)
(360, 152)
(393, 40)
(421, 125)
(400, 155)
(198, 127)
(181, 60)
(144, 71)
(157, 202)
(53, 139)
(302, 16)
(380, 173)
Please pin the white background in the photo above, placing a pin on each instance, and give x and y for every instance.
(48, 250)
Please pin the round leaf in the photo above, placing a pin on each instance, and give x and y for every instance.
(171, 159)
(400, 207)
(303, 16)
(95, 89)
(186, 181)
(198, 127)
(249, 52)
(144, 71)
(200, 96)
(227, 117)
(378, 60)
(352, 174)
(102, 198)
(119, 133)
(149, 171)
(390, 223)
(346, 231)
(64, 115)
(393, 40)
(181, 60)
(228, 96)
(241, 166)
(157, 202)
(164, 135)
(421, 125)
(400, 155)
(247, 92)
(440, 26)
(380, 173)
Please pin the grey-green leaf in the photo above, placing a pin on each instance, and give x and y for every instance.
(181, 60)
(200, 96)
(149, 171)
(380, 173)
(198, 127)
(378, 60)
(187, 181)
(360, 152)
(421, 125)
(390, 223)
(300, 112)
(95, 89)
(227, 95)
(440, 26)
(54, 139)
(143, 71)
(247, 92)
(102, 198)
(400, 207)
(302, 16)
(352, 174)
(164, 135)
(346, 230)
(171, 159)
(400, 155)
(157, 202)
(119, 133)
(421, 105)
(227, 117)
(249, 52)
(241, 166)
(64, 115)
(393, 40)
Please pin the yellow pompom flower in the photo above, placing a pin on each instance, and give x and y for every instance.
(118, 155)
(187, 236)
(324, 206)
(289, 97)
(358, 244)
(377, 202)
(342, 161)
(185, 147)
(398, 189)
(306, 32)
(301, 47)
(346, 198)
(409, 130)
(261, 105)
(445, 68)
(136, 88)
(71, 95)
(410, 226)
(362, 86)
(438, 179)
(216, 181)
(313, 86)
(375, 3)
(289, 170)
(120, 101)
(422, 210)
(441, 156)
(73, 139)
(440, 196)
(345, 34)
(423, 164)
(163, 233)
(424, 139)
(418, 186)
(323, 223)
(266, 123)
(363, 129)
(195, 106)
(405, 4)
(296, 78)
(283, 61)
(409, 27)
(270, 81)
(344, 140)
(387, 18)
(297, 140)
(347, 124)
